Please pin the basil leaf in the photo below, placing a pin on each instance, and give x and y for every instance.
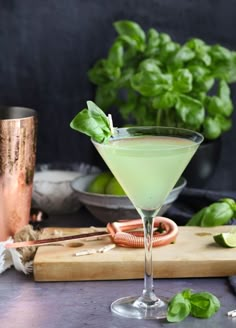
(184, 54)
(204, 305)
(201, 50)
(231, 74)
(165, 100)
(225, 123)
(219, 53)
(229, 201)
(116, 54)
(150, 65)
(182, 81)
(105, 96)
(211, 128)
(131, 33)
(98, 73)
(153, 42)
(196, 219)
(178, 308)
(164, 38)
(166, 51)
(222, 103)
(216, 214)
(202, 80)
(93, 122)
(150, 83)
(190, 110)
(223, 63)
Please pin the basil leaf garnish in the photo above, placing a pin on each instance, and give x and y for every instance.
(93, 122)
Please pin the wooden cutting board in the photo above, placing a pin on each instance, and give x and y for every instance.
(195, 254)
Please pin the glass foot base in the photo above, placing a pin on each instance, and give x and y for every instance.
(134, 307)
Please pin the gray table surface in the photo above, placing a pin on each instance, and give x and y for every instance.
(28, 304)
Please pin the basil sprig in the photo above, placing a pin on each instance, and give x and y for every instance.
(199, 305)
(218, 213)
(93, 122)
(154, 80)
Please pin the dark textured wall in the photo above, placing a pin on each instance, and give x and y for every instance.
(47, 47)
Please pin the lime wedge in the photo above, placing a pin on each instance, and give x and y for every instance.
(226, 239)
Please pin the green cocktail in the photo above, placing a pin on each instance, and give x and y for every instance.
(147, 162)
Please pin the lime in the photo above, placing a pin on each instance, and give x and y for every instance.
(226, 239)
(99, 183)
(114, 188)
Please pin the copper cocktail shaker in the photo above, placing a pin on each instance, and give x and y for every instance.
(18, 136)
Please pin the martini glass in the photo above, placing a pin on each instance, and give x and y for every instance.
(147, 162)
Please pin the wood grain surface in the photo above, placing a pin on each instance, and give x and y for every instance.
(195, 254)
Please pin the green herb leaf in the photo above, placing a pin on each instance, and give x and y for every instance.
(105, 95)
(225, 123)
(150, 65)
(93, 122)
(116, 54)
(223, 63)
(190, 110)
(174, 84)
(231, 202)
(98, 73)
(167, 50)
(196, 219)
(165, 100)
(183, 79)
(218, 213)
(150, 83)
(202, 80)
(211, 128)
(131, 33)
(201, 50)
(204, 305)
(184, 54)
(178, 308)
(153, 42)
(222, 103)
(200, 305)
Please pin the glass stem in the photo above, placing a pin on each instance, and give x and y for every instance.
(148, 291)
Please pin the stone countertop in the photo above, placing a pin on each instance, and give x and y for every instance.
(25, 303)
(28, 304)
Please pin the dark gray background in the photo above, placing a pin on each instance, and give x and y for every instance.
(47, 47)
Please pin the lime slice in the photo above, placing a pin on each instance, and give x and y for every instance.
(226, 239)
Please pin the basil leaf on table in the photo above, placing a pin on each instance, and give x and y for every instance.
(178, 308)
(93, 122)
(218, 213)
(185, 303)
(204, 305)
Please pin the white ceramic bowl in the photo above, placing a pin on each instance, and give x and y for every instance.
(52, 191)
(109, 208)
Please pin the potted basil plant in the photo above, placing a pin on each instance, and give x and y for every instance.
(154, 80)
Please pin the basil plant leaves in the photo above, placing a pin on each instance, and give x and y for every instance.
(154, 80)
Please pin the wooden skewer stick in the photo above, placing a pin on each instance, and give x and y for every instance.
(111, 124)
